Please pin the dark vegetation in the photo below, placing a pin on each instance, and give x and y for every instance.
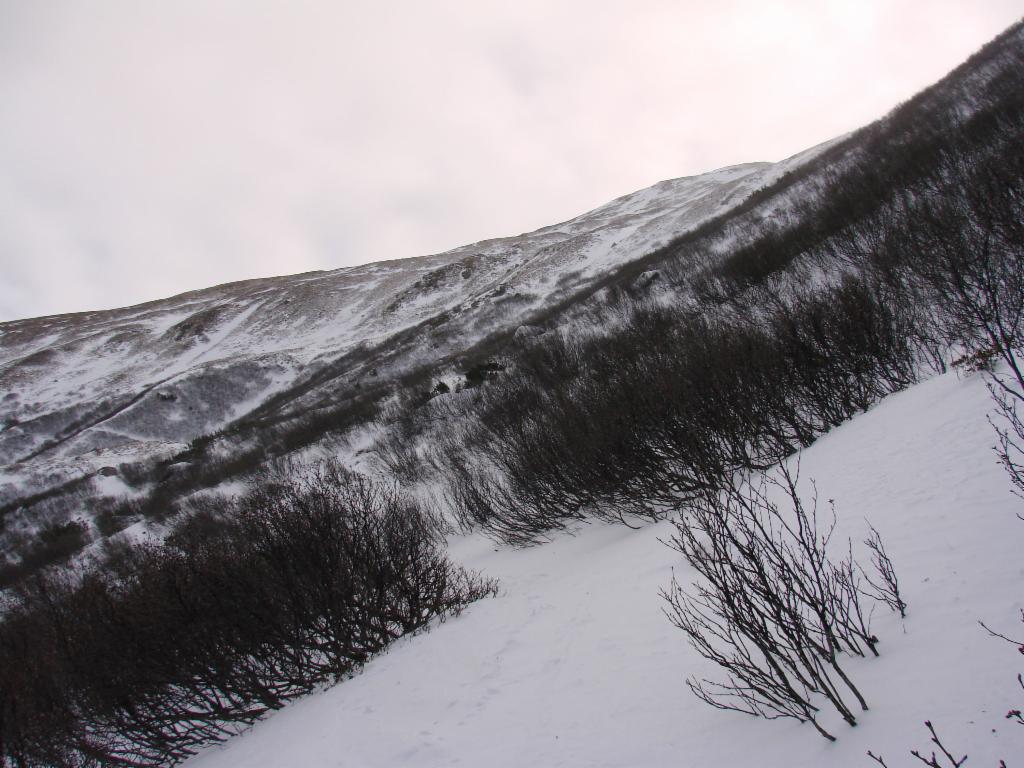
(773, 608)
(54, 544)
(896, 252)
(901, 258)
(834, 212)
(63, 491)
(634, 424)
(240, 610)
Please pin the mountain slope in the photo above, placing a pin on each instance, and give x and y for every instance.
(574, 664)
(681, 349)
(92, 390)
(124, 382)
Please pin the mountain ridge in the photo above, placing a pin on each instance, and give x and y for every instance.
(164, 340)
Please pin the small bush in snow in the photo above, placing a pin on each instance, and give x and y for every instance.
(771, 606)
(941, 759)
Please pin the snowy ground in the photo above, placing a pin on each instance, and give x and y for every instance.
(575, 665)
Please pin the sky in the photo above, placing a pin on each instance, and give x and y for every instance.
(148, 148)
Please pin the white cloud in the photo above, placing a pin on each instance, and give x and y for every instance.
(148, 148)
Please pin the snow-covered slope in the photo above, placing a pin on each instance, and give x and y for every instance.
(575, 665)
(91, 389)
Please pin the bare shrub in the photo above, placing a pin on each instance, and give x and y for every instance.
(183, 644)
(885, 586)
(943, 759)
(770, 607)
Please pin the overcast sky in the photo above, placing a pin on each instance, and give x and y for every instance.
(152, 147)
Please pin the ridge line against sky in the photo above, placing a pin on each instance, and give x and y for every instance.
(148, 149)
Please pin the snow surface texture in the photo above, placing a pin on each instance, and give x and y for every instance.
(575, 665)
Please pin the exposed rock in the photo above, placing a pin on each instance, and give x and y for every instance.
(176, 469)
(478, 374)
(646, 279)
(524, 333)
(194, 327)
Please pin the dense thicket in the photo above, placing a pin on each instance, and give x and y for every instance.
(291, 587)
(636, 422)
(905, 256)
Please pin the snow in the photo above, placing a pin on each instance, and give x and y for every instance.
(112, 486)
(575, 665)
(290, 326)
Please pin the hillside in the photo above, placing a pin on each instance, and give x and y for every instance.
(96, 386)
(599, 462)
(574, 663)
(88, 391)
(211, 384)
